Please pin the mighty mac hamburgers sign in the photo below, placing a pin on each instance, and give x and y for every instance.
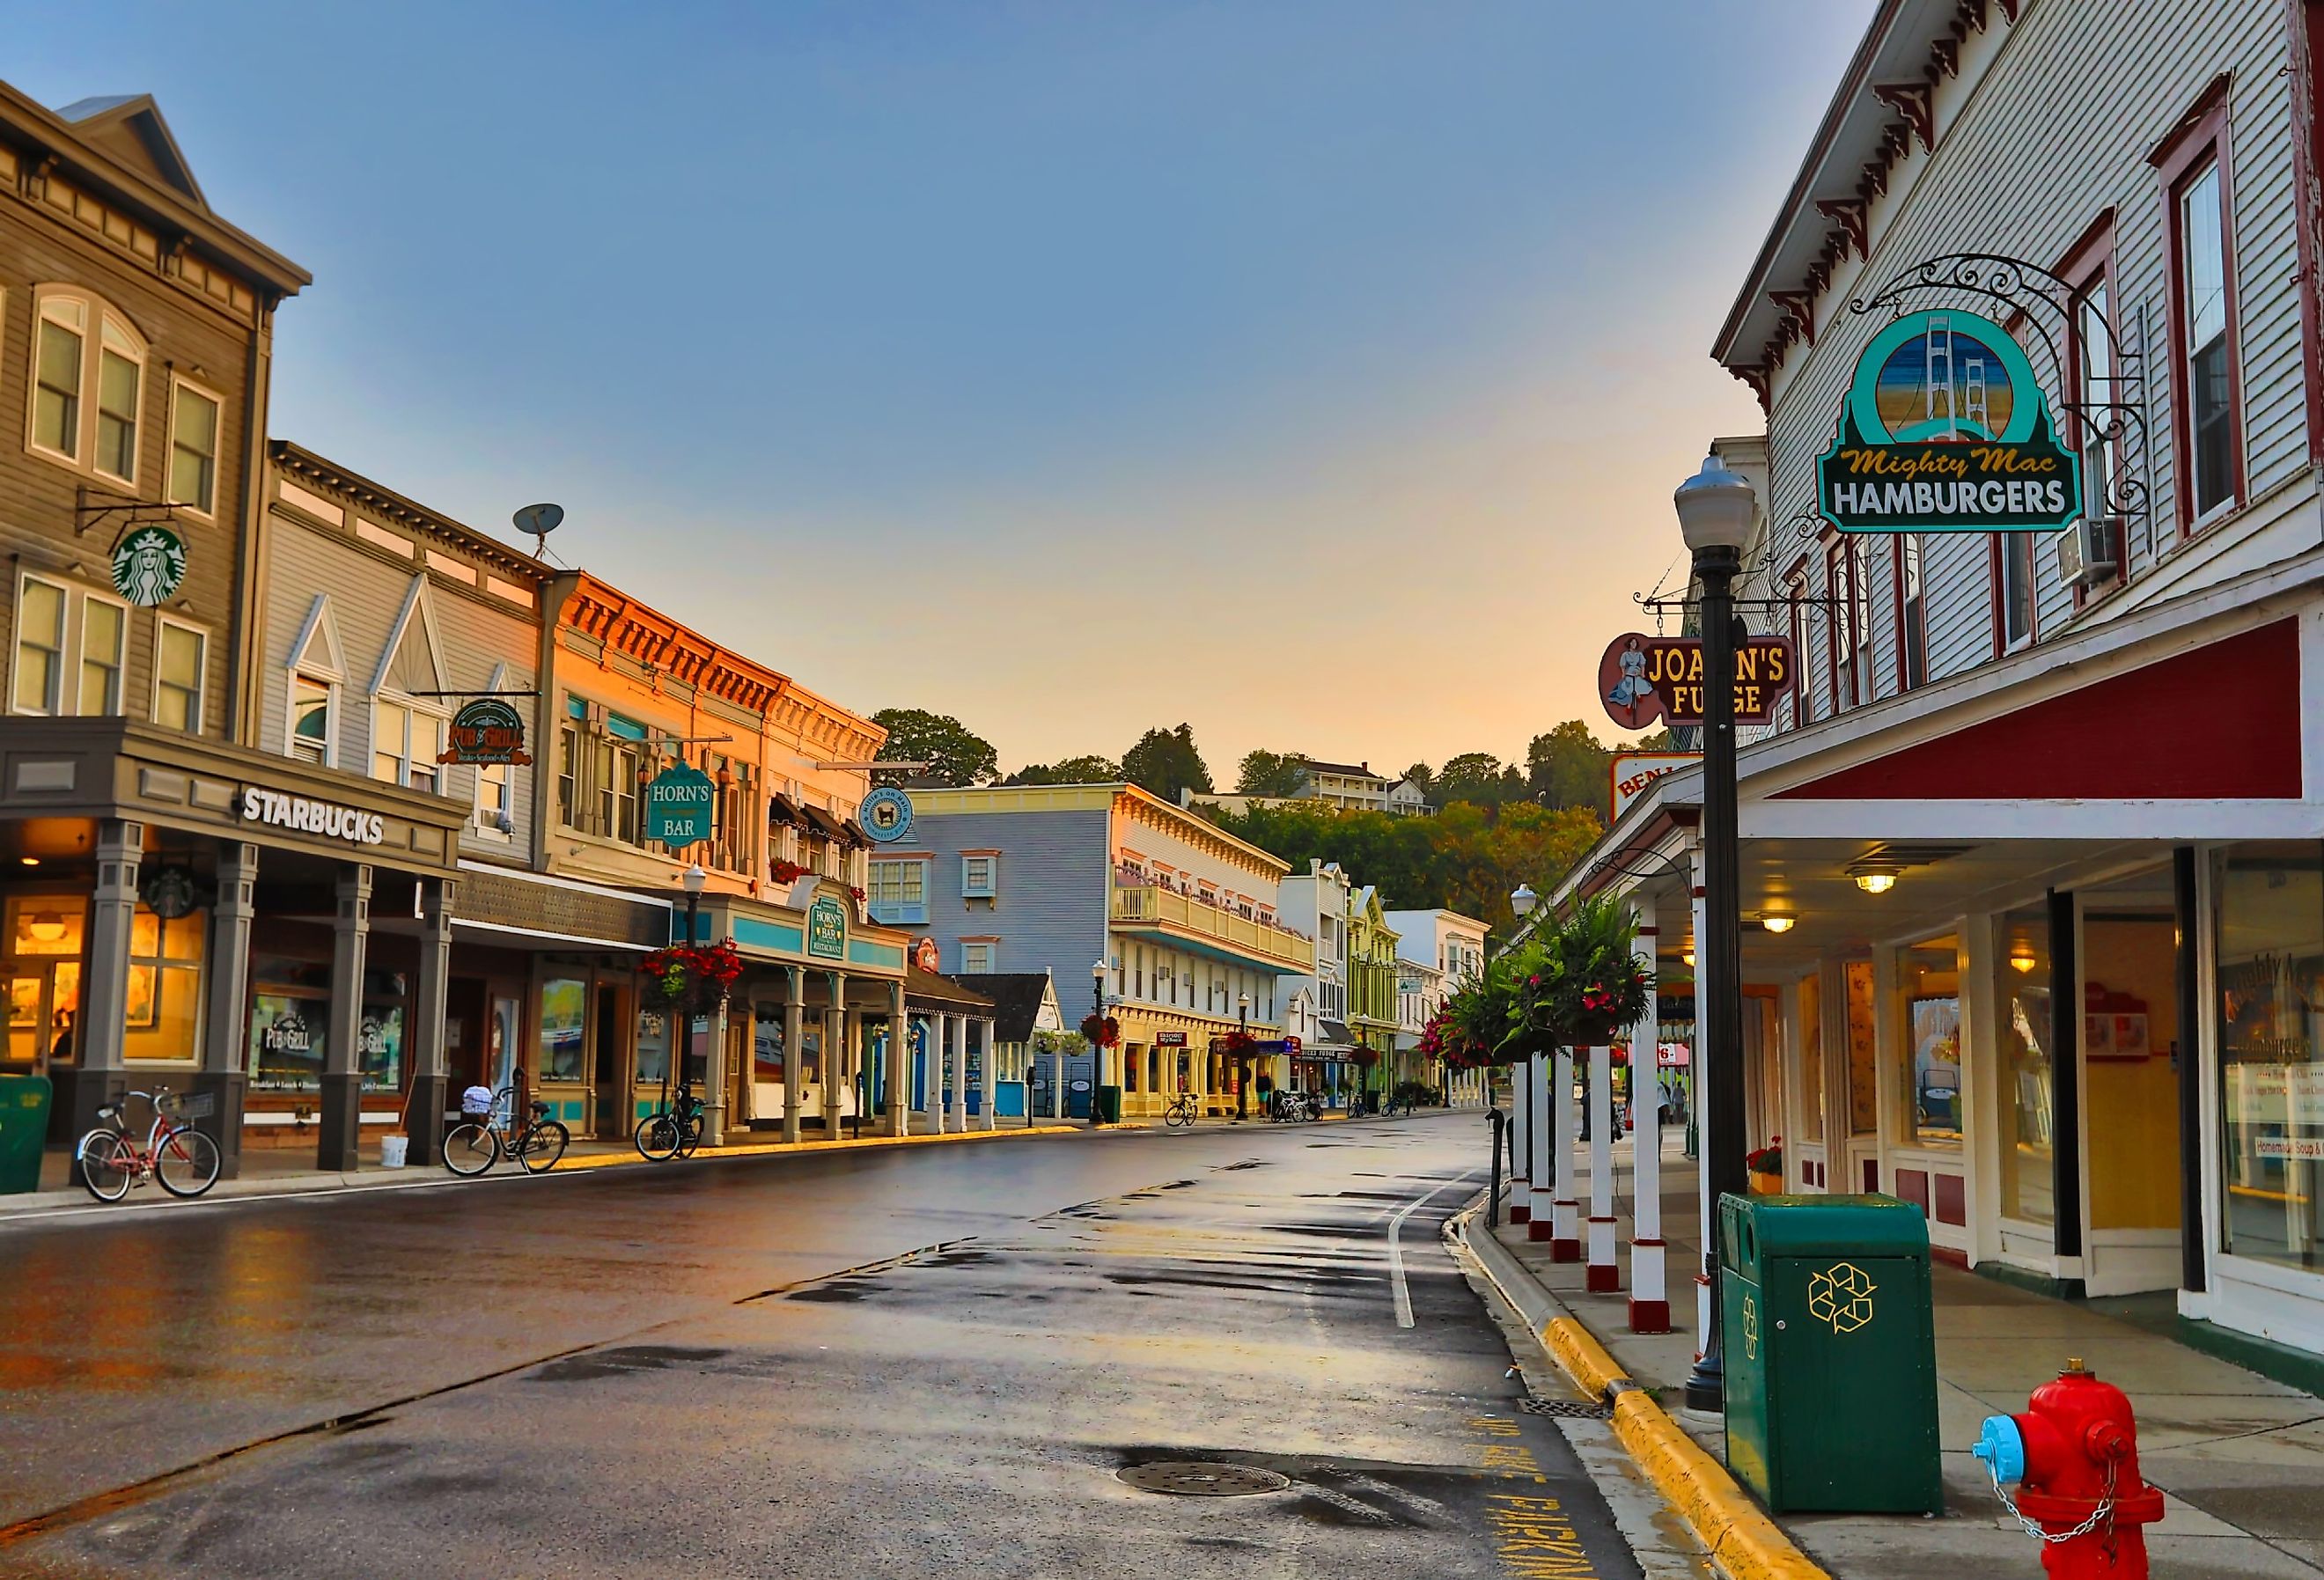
(1946, 430)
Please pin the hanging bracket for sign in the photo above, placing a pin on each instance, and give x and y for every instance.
(88, 509)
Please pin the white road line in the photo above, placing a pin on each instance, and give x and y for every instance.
(1396, 1247)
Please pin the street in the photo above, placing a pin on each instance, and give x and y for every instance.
(882, 1361)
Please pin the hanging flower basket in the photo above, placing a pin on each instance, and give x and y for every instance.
(1238, 1045)
(1364, 1057)
(1102, 1032)
(785, 872)
(691, 978)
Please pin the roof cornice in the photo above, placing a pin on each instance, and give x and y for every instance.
(302, 462)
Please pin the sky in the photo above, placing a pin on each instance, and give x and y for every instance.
(1314, 371)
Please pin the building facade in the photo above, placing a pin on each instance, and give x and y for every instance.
(1184, 919)
(1317, 902)
(1437, 951)
(2032, 855)
(1373, 1017)
(1347, 786)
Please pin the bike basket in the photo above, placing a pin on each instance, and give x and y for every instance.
(192, 1104)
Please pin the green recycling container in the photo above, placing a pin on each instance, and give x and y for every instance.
(1830, 1349)
(1107, 1108)
(23, 1131)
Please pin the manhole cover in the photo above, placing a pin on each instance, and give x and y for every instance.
(1202, 1478)
(1587, 1409)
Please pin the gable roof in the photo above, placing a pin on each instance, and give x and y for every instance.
(932, 989)
(129, 126)
(1353, 770)
(1017, 997)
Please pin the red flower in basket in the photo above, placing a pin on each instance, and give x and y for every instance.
(1102, 1032)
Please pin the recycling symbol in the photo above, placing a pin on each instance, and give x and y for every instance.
(1841, 1295)
(1750, 1328)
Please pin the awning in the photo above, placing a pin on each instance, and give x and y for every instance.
(853, 832)
(824, 823)
(781, 809)
(1337, 1032)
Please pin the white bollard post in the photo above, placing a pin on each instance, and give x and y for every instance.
(1605, 1270)
(1564, 1196)
(1649, 1290)
(1521, 1078)
(1542, 1119)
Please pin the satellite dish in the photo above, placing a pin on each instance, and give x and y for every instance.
(536, 521)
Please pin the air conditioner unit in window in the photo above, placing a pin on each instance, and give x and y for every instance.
(2089, 552)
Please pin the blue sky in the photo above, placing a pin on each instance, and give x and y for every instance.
(1315, 372)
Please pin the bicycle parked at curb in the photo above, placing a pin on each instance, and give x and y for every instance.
(182, 1159)
(480, 1139)
(673, 1130)
(1181, 1111)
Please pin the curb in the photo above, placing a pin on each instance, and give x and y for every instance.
(40, 1204)
(1732, 1528)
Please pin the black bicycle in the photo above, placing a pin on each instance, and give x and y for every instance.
(674, 1131)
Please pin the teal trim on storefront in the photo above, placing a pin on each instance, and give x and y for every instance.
(751, 932)
(886, 957)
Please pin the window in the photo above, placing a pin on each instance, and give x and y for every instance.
(2199, 198)
(2024, 1071)
(1795, 593)
(1929, 987)
(2090, 376)
(103, 632)
(165, 986)
(898, 892)
(2014, 589)
(979, 875)
(56, 376)
(83, 347)
(496, 799)
(404, 745)
(976, 959)
(2270, 901)
(310, 720)
(1912, 616)
(120, 370)
(193, 448)
(1844, 617)
(40, 670)
(181, 656)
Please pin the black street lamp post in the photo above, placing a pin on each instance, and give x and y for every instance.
(1715, 509)
(1242, 1055)
(1097, 1043)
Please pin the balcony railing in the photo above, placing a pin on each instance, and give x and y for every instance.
(1148, 905)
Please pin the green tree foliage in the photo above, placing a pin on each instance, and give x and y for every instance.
(1270, 773)
(1166, 762)
(1088, 770)
(955, 755)
(1424, 778)
(1479, 779)
(1568, 768)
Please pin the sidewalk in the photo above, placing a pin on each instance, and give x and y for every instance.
(2240, 1458)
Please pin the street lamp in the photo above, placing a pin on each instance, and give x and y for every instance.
(1716, 509)
(1242, 1055)
(1097, 1043)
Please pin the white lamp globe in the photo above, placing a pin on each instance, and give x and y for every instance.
(1716, 508)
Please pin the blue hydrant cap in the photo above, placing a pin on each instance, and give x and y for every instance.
(2001, 1446)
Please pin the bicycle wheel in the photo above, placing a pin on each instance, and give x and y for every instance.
(470, 1149)
(186, 1162)
(657, 1138)
(690, 1135)
(107, 1164)
(540, 1145)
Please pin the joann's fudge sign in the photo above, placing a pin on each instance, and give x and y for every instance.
(1945, 430)
(1646, 678)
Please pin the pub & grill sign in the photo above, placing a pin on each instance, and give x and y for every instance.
(1945, 430)
(1643, 679)
(486, 731)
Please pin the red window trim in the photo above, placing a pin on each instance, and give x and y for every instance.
(1795, 583)
(2032, 592)
(1835, 610)
(1897, 593)
(2200, 136)
(2303, 22)
(2090, 260)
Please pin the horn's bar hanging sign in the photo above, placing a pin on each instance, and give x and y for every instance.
(1945, 430)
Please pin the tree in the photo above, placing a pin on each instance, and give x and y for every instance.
(1568, 768)
(1478, 778)
(1165, 762)
(1422, 779)
(1085, 770)
(955, 755)
(1272, 774)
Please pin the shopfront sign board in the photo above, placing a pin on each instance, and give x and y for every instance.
(886, 815)
(1634, 771)
(486, 731)
(1945, 430)
(826, 929)
(1646, 679)
(303, 816)
(1170, 1040)
(678, 802)
(149, 564)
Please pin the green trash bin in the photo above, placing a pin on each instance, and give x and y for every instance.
(1107, 1109)
(23, 1131)
(1830, 1350)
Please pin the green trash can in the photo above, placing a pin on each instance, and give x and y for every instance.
(1107, 1109)
(1830, 1348)
(23, 1131)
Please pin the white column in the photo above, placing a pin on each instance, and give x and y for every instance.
(1521, 1084)
(1605, 1270)
(1541, 1140)
(1057, 1083)
(988, 1057)
(899, 1080)
(960, 1076)
(1649, 1290)
(1565, 1196)
(1694, 1106)
(932, 1064)
(794, 1039)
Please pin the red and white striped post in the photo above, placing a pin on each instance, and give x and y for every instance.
(1605, 1269)
(1565, 1197)
(1541, 1120)
(1649, 1290)
(1520, 1141)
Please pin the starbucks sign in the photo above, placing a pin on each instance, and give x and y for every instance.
(678, 803)
(148, 565)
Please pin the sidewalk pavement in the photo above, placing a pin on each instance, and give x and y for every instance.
(2239, 1457)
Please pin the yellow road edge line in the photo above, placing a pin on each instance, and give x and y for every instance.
(802, 1149)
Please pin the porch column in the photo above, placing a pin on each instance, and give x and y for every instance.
(960, 1076)
(98, 1035)
(1058, 1083)
(1521, 1080)
(2187, 980)
(932, 1065)
(226, 1057)
(1605, 1272)
(989, 1089)
(794, 998)
(834, 1052)
(1542, 1136)
(1650, 1293)
(900, 1064)
(423, 1106)
(1565, 1198)
(714, 1075)
(337, 1145)
(2066, 1088)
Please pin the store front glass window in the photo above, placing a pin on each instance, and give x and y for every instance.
(1863, 1052)
(767, 1043)
(290, 1017)
(1929, 989)
(43, 971)
(653, 1047)
(1811, 1059)
(564, 1002)
(2270, 985)
(380, 1039)
(2022, 1069)
(165, 986)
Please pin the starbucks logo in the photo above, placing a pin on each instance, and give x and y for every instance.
(148, 565)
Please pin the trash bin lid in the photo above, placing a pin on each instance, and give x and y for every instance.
(1834, 1225)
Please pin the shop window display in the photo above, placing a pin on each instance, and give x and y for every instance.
(564, 1002)
(1929, 981)
(2024, 1069)
(2270, 900)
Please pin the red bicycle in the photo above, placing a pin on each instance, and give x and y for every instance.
(185, 1160)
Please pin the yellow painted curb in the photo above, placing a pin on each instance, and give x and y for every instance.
(1734, 1530)
(801, 1148)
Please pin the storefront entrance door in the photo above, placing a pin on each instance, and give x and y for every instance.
(2130, 1097)
(609, 1114)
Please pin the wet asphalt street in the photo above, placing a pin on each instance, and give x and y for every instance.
(887, 1362)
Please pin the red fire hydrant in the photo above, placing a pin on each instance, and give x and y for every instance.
(2074, 1454)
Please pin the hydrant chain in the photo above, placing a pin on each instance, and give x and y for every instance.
(2101, 1515)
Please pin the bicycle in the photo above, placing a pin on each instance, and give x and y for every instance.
(474, 1145)
(1181, 1111)
(674, 1132)
(182, 1159)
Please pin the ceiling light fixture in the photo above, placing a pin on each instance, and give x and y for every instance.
(47, 927)
(2022, 960)
(30, 861)
(1687, 955)
(1778, 921)
(1875, 882)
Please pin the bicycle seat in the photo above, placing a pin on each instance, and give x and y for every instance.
(109, 1112)
(538, 1107)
